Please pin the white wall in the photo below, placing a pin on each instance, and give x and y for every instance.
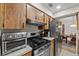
(39, 6)
(68, 21)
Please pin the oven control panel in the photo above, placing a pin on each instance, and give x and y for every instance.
(9, 36)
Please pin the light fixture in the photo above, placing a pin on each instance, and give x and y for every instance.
(58, 7)
(59, 26)
(73, 25)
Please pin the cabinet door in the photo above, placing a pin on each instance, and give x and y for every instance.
(20, 15)
(10, 17)
(14, 15)
(46, 20)
(1, 15)
(52, 48)
(30, 12)
(40, 16)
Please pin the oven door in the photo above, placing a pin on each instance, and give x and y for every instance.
(45, 52)
(10, 46)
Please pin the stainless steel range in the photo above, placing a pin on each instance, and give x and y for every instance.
(12, 40)
(39, 45)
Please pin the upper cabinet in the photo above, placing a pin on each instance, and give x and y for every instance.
(30, 12)
(1, 15)
(34, 13)
(40, 16)
(15, 14)
(46, 20)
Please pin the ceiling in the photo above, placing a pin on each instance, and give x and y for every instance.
(64, 6)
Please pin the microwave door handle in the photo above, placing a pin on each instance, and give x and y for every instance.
(20, 39)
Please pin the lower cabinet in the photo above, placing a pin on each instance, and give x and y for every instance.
(28, 54)
(51, 47)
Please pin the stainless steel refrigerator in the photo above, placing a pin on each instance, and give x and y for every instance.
(55, 32)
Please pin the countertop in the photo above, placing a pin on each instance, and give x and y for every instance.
(49, 38)
(20, 52)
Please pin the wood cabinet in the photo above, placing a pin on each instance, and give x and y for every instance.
(31, 12)
(34, 14)
(52, 47)
(10, 17)
(28, 54)
(1, 15)
(40, 16)
(15, 14)
(46, 20)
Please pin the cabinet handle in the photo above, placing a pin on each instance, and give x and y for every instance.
(3, 25)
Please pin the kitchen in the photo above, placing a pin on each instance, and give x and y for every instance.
(20, 23)
(25, 30)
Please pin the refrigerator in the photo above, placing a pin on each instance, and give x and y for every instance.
(55, 31)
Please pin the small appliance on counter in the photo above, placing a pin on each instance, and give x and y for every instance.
(40, 46)
(45, 33)
(12, 40)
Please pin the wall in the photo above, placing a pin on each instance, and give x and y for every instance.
(68, 21)
(39, 6)
(31, 28)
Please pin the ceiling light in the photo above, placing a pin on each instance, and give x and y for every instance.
(50, 5)
(58, 7)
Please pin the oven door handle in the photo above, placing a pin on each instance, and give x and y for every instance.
(15, 39)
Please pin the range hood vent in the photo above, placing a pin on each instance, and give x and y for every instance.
(35, 23)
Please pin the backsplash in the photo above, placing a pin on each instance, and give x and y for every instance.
(31, 28)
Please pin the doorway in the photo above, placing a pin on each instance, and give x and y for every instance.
(68, 34)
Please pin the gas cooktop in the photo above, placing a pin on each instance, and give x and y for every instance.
(36, 42)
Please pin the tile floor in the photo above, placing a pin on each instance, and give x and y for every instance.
(67, 53)
(67, 50)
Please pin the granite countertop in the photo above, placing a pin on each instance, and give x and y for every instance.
(49, 38)
(20, 52)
